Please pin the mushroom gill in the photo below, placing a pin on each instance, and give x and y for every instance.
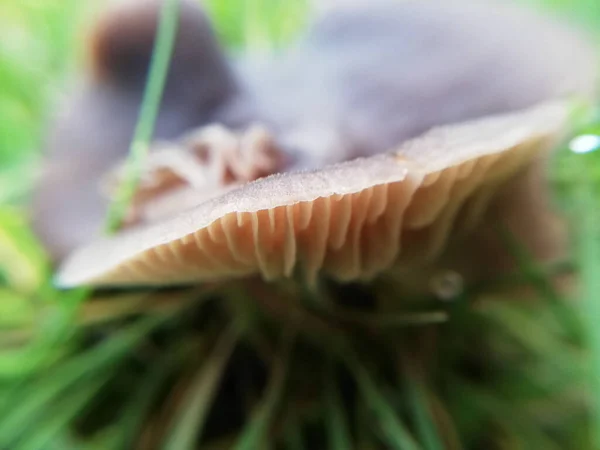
(351, 220)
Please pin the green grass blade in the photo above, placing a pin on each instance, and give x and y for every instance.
(395, 433)
(504, 413)
(33, 399)
(337, 428)
(189, 422)
(426, 429)
(293, 435)
(138, 407)
(589, 259)
(159, 66)
(256, 36)
(254, 434)
(61, 415)
(533, 271)
(392, 321)
(22, 261)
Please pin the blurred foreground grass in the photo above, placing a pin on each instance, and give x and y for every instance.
(506, 374)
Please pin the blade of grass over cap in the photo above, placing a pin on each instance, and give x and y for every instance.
(159, 67)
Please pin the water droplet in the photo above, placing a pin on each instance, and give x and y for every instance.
(585, 143)
(447, 285)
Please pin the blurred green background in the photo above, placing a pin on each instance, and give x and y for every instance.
(41, 329)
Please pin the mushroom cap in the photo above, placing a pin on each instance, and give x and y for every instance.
(350, 220)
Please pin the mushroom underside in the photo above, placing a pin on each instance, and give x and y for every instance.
(351, 220)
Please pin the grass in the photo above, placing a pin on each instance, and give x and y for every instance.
(248, 368)
(142, 136)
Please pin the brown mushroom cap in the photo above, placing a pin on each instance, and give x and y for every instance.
(351, 220)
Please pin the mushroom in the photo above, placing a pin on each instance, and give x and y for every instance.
(360, 81)
(203, 164)
(352, 220)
